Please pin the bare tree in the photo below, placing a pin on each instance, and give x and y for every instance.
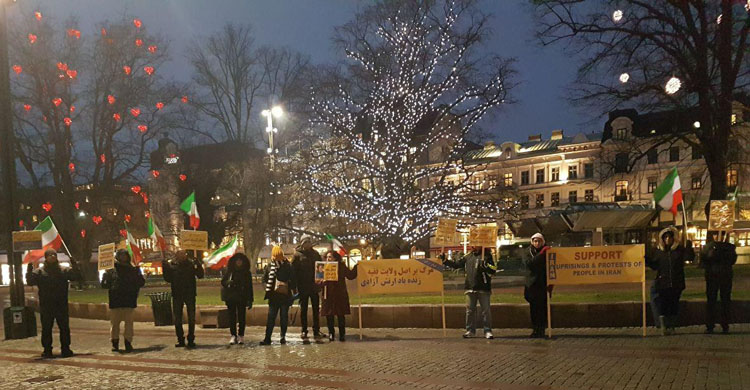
(397, 114)
(681, 55)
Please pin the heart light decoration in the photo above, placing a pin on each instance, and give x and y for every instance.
(77, 205)
(155, 173)
(72, 73)
(20, 223)
(67, 121)
(18, 69)
(184, 99)
(62, 66)
(135, 112)
(145, 197)
(27, 107)
(116, 117)
(142, 128)
(96, 219)
(137, 23)
(102, 158)
(38, 15)
(149, 70)
(126, 69)
(74, 33)
(83, 233)
(183, 177)
(72, 167)
(47, 206)
(72, 109)
(32, 39)
(146, 214)
(159, 105)
(128, 218)
(139, 42)
(152, 49)
(111, 99)
(135, 189)
(124, 232)
(57, 102)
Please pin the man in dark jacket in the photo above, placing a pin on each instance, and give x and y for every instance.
(669, 262)
(181, 274)
(52, 282)
(535, 289)
(237, 293)
(478, 284)
(303, 264)
(123, 282)
(718, 257)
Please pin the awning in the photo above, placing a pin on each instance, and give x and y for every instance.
(611, 219)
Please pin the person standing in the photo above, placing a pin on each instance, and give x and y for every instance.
(237, 293)
(668, 259)
(181, 274)
(478, 284)
(336, 297)
(279, 280)
(123, 282)
(52, 281)
(303, 263)
(718, 257)
(535, 289)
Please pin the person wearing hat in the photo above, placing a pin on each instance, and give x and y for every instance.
(668, 259)
(717, 258)
(123, 282)
(535, 289)
(52, 282)
(303, 263)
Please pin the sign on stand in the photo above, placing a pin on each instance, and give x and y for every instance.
(195, 240)
(27, 240)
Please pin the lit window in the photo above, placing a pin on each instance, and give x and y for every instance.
(572, 172)
(589, 196)
(555, 199)
(621, 190)
(539, 201)
(555, 174)
(696, 182)
(651, 186)
(508, 179)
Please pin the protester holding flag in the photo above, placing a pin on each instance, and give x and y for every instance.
(535, 290)
(237, 293)
(181, 274)
(52, 281)
(336, 296)
(669, 262)
(479, 269)
(279, 282)
(51, 239)
(123, 282)
(303, 263)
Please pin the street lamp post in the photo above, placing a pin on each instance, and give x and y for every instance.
(274, 111)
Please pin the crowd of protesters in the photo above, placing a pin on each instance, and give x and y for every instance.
(286, 280)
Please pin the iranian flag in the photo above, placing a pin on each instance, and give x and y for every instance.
(50, 240)
(336, 244)
(669, 193)
(133, 249)
(190, 208)
(155, 234)
(220, 257)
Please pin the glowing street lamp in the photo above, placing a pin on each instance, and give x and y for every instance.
(275, 111)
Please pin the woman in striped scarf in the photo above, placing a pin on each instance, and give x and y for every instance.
(279, 283)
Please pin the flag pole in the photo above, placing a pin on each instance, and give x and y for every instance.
(684, 225)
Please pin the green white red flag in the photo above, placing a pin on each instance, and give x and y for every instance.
(155, 234)
(220, 257)
(51, 239)
(337, 246)
(133, 249)
(668, 195)
(191, 209)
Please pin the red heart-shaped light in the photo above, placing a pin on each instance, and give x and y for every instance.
(149, 70)
(135, 112)
(72, 73)
(184, 99)
(137, 23)
(139, 42)
(62, 66)
(18, 69)
(67, 121)
(124, 232)
(83, 233)
(159, 105)
(77, 205)
(111, 99)
(47, 206)
(116, 117)
(155, 173)
(145, 197)
(126, 69)
(152, 49)
(57, 102)
(102, 158)
(32, 38)
(142, 128)
(20, 223)
(71, 167)
(74, 33)
(96, 219)
(72, 109)
(183, 177)
(135, 189)
(38, 15)
(27, 107)
(127, 218)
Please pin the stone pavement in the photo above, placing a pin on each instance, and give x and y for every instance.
(388, 359)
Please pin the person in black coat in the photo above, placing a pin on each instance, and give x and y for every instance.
(717, 258)
(123, 282)
(237, 293)
(181, 274)
(279, 282)
(52, 281)
(535, 289)
(303, 263)
(478, 284)
(668, 259)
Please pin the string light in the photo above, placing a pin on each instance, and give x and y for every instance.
(624, 78)
(617, 16)
(673, 85)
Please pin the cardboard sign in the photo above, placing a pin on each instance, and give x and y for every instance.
(721, 215)
(445, 234)
(106, 256)
(485, 236)
(196, 240)
(27, 240)
(596, 264)
(397, 277)
(326, 271)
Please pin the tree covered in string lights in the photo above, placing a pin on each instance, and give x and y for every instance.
(395, 117)
(88, 106)
(660, 55)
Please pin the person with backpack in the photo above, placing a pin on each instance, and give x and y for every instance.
(237, 293)
(123, 282)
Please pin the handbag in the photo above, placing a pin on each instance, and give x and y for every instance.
(281, 288)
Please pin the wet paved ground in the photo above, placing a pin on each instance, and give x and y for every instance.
(388, 359)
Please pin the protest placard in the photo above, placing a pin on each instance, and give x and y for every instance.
(484, 236)
(326, 271)
(106, 256)
(445, 234)
(196, 240)
(27, 240)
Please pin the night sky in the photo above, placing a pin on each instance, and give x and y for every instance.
(307, 25)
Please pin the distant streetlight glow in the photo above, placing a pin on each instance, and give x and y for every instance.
(617, 15)
(673, 85)
(624, 78)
